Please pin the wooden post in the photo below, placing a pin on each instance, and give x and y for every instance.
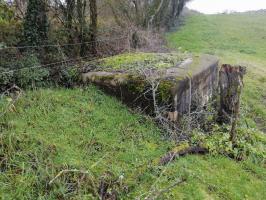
(231, 84)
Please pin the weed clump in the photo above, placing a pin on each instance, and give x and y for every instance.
(250, 143)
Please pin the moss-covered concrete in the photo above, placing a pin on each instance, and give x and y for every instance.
(129, 77)
(129, 61)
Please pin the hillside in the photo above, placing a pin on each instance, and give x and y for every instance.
(93, 137)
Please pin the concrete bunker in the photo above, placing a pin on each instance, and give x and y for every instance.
(181, 79)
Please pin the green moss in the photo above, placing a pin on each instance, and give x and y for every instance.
(104, 78)
(129, 61)
(181, 147)
(135, 84)
(138, 85)
(165, 90)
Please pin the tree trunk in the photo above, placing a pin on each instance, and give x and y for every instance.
(181, 5)
(231, 84)
(137, 12)
(69, 14)
(93, 27)
(81, 6)
(173, 12)
(152, 17)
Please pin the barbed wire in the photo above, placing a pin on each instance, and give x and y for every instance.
(55, 63)
(60, 45)
(104, 49)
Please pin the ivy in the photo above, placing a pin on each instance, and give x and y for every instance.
(36, 23)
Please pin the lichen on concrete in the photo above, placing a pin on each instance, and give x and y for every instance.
(128, 77)
(129, 61)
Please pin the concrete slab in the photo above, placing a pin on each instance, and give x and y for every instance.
(129, 77)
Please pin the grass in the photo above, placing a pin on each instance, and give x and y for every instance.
(49, 130)
(237, 39)
(55, 129)
(74, 128)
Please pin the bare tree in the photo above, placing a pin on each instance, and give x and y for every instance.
(146, 13)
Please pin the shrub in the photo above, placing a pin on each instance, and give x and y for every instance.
(250, 143)
(31, 74)
(69, 76)
(6, 76)
(26, 72)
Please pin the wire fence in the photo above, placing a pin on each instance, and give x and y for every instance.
(62, 45)
(52, 57)
(12, 57)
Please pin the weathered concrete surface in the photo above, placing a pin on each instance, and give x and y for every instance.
(132, 84)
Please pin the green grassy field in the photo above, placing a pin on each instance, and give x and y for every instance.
(50, 130)
(236, 39)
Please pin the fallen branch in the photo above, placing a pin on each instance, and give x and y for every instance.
(172, 155)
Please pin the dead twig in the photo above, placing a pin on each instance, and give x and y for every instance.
(67, 171)
(161, 192)
(152, 188)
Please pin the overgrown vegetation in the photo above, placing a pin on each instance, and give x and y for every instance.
(57, 32)
(81, 144)
(27, 72)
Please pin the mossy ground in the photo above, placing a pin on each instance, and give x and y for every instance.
(55, 129)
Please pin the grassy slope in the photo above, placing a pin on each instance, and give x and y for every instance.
(60, 129)
(86, 129)
(237, 39)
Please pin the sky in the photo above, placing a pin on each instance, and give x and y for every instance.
(218, 6)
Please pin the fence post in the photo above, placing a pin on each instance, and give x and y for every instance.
(231, 84)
